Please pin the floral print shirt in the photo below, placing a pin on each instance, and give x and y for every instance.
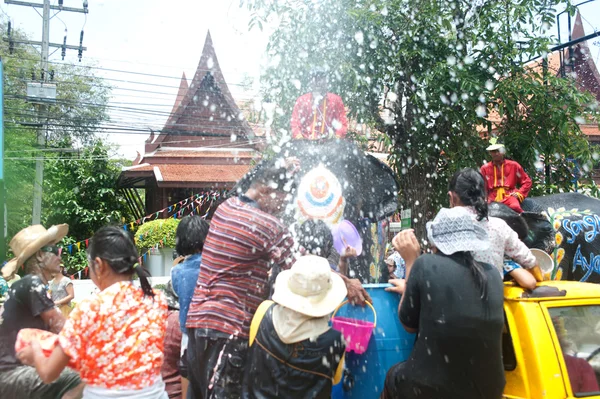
(116, 339)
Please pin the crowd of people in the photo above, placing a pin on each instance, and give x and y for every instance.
(247, 311)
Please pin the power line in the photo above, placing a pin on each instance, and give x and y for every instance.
(106, 158)
(124, 109)
(125, 81)
(110, 125)
(125, 71)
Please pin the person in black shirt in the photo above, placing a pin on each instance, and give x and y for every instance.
(455, 305)
(29, 306)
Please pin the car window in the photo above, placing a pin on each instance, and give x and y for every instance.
(578, 331)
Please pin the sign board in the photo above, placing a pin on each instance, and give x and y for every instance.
(41, 92)
(406, 219)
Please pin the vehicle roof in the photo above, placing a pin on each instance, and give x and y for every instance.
(574, 290)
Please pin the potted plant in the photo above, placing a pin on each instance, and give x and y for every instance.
(157, 239)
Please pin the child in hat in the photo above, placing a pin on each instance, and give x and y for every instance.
(291, 335)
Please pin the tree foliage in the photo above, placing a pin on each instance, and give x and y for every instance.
(427, 74)
(159, 232)
(78, 112)
(79, 189)
(79, 185)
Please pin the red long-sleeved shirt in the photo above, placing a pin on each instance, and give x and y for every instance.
(506, 176)
(327, 119)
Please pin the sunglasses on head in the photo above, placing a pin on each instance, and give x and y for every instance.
(51, 248)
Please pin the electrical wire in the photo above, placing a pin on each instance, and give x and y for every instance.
(124, 71)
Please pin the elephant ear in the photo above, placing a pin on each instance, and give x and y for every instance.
(512, 218)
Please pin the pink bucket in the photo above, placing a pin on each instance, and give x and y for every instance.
(357, 333)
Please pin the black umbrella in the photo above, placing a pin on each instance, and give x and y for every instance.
(368, 185)
(336, 181)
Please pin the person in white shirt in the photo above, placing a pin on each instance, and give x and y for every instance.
(467, 189)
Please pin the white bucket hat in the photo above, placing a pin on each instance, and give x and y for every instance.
(455, 230)
(30, 240)
(309, 287)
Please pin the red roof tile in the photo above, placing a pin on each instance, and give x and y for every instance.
(590, 130)
(202, 173)
(202, 154)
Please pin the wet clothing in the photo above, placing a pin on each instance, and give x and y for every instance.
(319, 117)
(58, 291)
(458, 352)
(13, 280)
(154, 391)
(241, 243)
(116, 338)
(184, 277)
(28, 298)
(303, 369)
(216, 365)
(170, 369)
(502, 180)
(25, 382)
(232, 282)
(504, 241)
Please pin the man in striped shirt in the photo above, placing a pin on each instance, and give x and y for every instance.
(245, 236)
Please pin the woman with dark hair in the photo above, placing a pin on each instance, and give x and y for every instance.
(114, 339)
(455, 305)
(189, 242)
(467, 189)
(314, 238)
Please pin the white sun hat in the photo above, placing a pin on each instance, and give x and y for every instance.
(455, 230)
(310, 287)
(494, 145)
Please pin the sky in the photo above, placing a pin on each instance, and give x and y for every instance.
(155, 38)
(166, 38)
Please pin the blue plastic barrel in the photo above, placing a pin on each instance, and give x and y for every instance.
(389, 344)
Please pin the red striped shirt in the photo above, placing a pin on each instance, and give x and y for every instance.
(233, 277)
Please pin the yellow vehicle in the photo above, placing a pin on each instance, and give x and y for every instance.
(551, 341)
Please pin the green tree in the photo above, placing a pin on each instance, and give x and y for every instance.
(79, 189)
(78, 112)
(426, 74)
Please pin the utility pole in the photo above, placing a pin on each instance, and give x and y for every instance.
(2, 200)
(43, 93)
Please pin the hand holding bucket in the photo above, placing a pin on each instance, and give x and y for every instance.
(357, 333)
(544, 262)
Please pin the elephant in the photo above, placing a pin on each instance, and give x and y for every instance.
(566, 226)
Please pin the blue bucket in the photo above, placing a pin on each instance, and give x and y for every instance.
(390, 344)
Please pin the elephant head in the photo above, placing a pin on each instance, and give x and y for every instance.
(533, 228)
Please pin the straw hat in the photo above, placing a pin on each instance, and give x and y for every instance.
(454, 230)
(310, 287)
(30, 240)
